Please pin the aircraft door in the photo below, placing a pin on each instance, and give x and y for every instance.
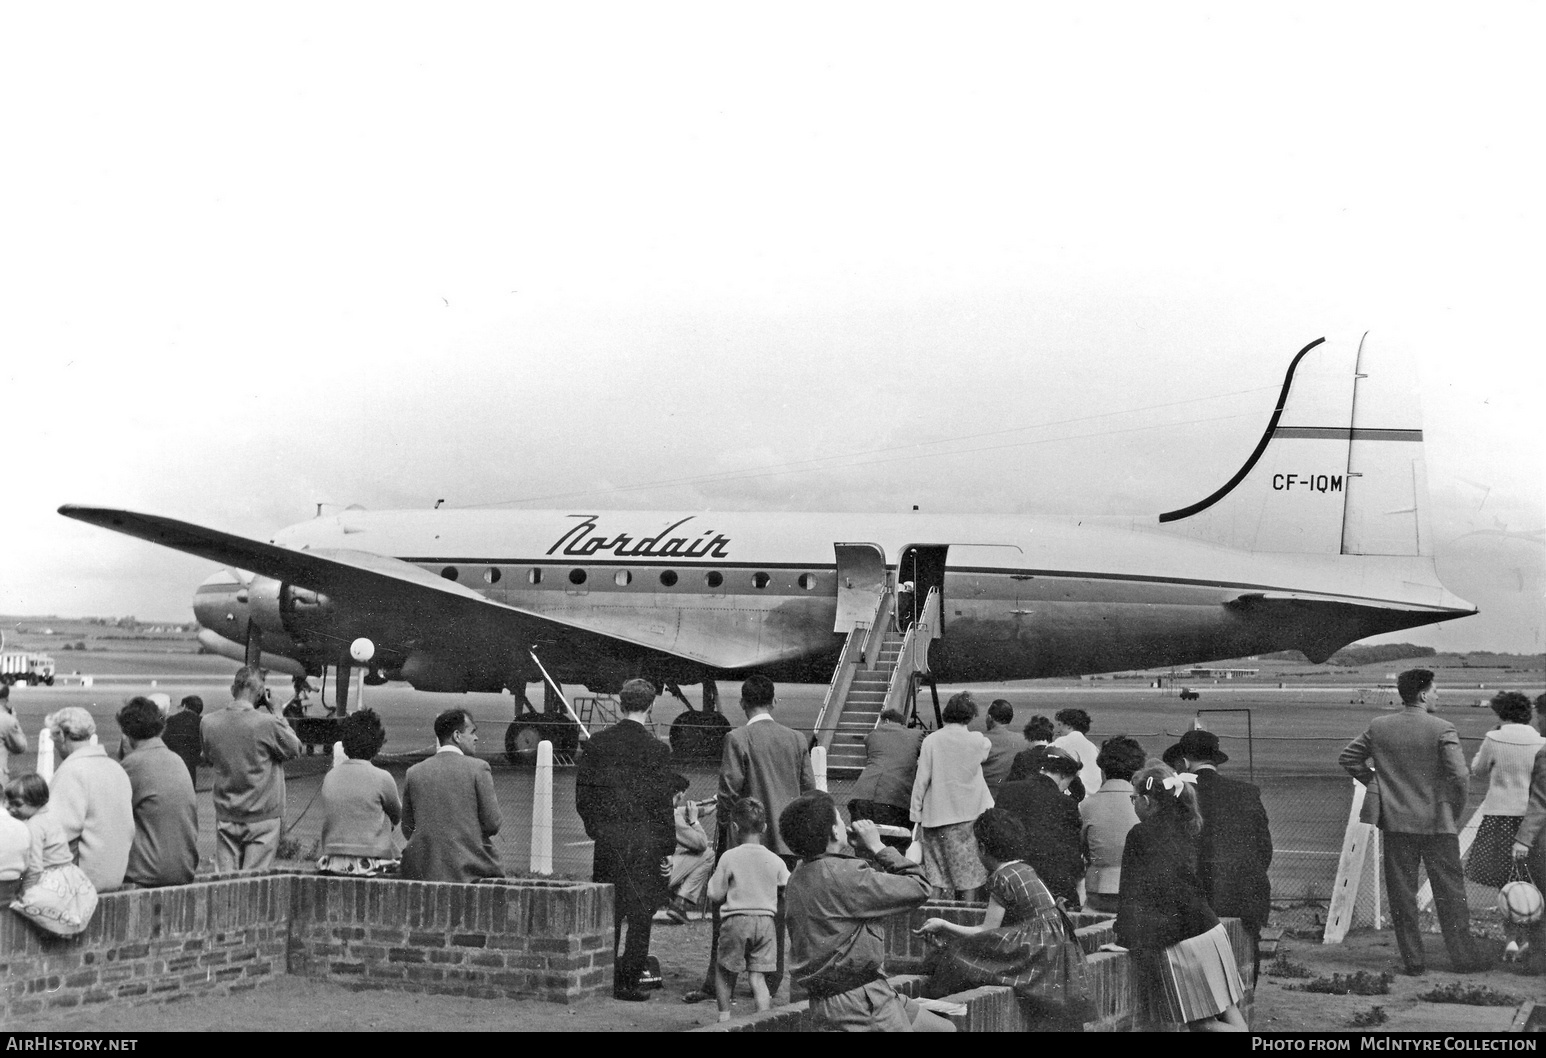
(861, 581)
(924, 566)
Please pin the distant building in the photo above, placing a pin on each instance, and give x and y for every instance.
(1205, 673)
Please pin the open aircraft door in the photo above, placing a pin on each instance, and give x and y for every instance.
(861, 582)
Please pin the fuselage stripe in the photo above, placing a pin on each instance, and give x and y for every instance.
(1345, 433)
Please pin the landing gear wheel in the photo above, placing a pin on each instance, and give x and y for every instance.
(521, 739)
(699, 736)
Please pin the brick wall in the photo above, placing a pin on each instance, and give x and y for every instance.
(530, 939)
(549, 940)
(1113, 986)
(150, 945)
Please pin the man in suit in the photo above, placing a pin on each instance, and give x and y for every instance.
(182, 734)
(450, 812)
(885, 786)
(1416, 778)
(765, 760)
(623, 791)
(1235, 847)
(1006, 744)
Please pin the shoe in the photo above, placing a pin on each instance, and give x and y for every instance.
(697, 995)
(675, 916)
(1413, 971)
(630, 995)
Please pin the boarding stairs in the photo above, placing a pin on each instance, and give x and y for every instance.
(875, 672)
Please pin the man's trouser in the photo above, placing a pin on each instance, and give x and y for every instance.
(633, 904)
(1441, 853)
(246, 846)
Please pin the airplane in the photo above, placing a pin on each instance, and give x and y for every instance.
(1319, 539)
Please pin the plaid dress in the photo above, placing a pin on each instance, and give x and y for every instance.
(1033, 951)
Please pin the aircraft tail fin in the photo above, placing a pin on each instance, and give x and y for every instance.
(1339, 469)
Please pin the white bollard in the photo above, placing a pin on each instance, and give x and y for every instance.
(542, 811)
(46, 755)
(339, 756)
(819, 767)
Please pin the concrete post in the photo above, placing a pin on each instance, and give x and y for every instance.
(819, 767)
(46, 754)
(542, 811)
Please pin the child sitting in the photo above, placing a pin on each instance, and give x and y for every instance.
(747, 881)
(693, 861)
(14, 843)
(56, 894)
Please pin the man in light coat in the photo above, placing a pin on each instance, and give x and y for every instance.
(247, 746)
(1416, 778)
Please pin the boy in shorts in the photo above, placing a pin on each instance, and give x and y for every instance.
(746, 882)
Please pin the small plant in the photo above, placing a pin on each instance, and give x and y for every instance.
(1367, 1019)
(1361, 983)
(1469, 995)
(1283, 966)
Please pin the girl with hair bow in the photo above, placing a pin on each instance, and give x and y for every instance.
(1163, 918)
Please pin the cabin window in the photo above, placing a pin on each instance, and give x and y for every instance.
(491, 576)
(449, 573)
(807, 581)
(622, 578)
(760, 580)
(668, 577)
(534, 576)
(714, 578)
(576, 576)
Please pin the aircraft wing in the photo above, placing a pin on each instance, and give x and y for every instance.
(380, 583)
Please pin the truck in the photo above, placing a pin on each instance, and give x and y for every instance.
(18, 666)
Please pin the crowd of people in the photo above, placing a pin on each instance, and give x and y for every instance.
(1051, 823)
(1036, 827)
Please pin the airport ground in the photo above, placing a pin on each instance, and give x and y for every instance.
(1296, 733)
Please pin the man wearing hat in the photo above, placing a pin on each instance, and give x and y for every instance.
(1235, 847)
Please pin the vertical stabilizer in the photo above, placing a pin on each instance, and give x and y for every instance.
(1338, 469)
(1387, 482)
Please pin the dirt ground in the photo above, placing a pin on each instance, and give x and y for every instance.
(300, 1005)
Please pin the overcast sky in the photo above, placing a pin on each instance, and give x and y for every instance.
(804, 256)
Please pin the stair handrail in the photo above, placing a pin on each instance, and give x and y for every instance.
(837, 690)
(928, 630)
(878, 628)
(914, 657)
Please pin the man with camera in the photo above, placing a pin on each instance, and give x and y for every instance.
(247, 745)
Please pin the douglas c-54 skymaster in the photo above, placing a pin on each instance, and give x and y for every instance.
(1318, 540)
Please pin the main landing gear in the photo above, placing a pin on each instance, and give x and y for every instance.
(699, 735)
(531, 727)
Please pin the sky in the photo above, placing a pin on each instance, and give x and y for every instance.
(996, 258)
